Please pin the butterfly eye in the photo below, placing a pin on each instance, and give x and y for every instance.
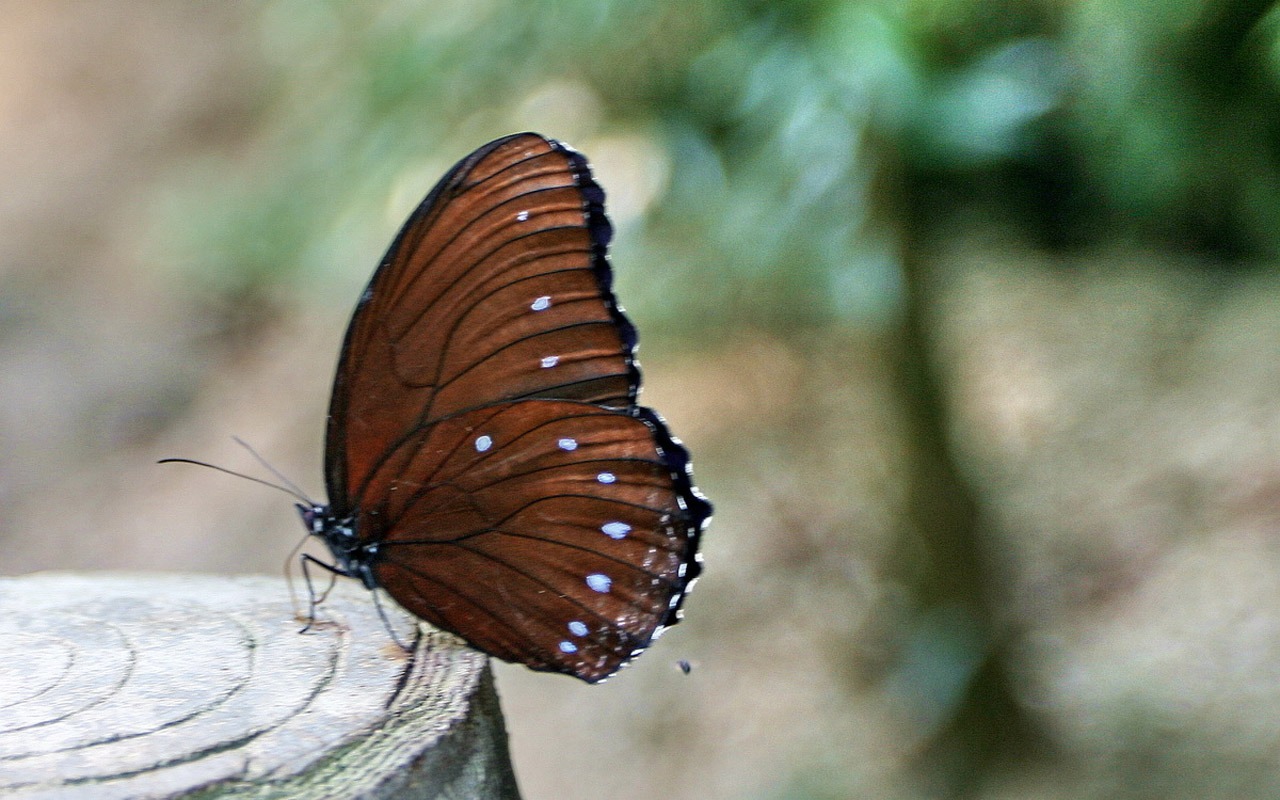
(485, 451)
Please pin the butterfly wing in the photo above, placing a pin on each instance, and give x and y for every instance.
(484, 434)
(497, 288)
(558, 534)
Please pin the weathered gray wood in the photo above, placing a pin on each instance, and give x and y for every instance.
(167, 686)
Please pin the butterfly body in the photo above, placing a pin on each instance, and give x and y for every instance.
(486, 460)
(354, 558)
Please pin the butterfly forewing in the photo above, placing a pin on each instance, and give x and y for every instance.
(495, 289)
(537, 519)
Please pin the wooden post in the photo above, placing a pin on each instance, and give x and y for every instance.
(168, 686)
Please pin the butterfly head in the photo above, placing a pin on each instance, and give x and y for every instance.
(354, 558)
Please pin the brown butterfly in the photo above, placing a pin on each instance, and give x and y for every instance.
(487, 463)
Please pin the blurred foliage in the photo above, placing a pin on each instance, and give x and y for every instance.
(1114, 119)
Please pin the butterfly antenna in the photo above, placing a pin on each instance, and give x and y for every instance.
(293, 487)
(290, 490)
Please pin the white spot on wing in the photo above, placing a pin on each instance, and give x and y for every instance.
(483, 443)
(599, 582)
(550, 361)
(578, 628)
(522, 216)
(568, 647)
(615, 530)
(607, 477)
(542, 303)
(567, 444)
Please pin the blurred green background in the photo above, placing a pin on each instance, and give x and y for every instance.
(968, 312)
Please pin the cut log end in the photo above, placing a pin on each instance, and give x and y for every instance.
(167, 686)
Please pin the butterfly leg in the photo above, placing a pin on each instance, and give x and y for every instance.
(387, 623)
(313, 599)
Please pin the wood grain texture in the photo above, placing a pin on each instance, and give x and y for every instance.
(167, 686)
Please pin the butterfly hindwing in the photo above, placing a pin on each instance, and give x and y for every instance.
(520, 523)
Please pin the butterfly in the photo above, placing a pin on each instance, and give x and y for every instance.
(486, 460)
